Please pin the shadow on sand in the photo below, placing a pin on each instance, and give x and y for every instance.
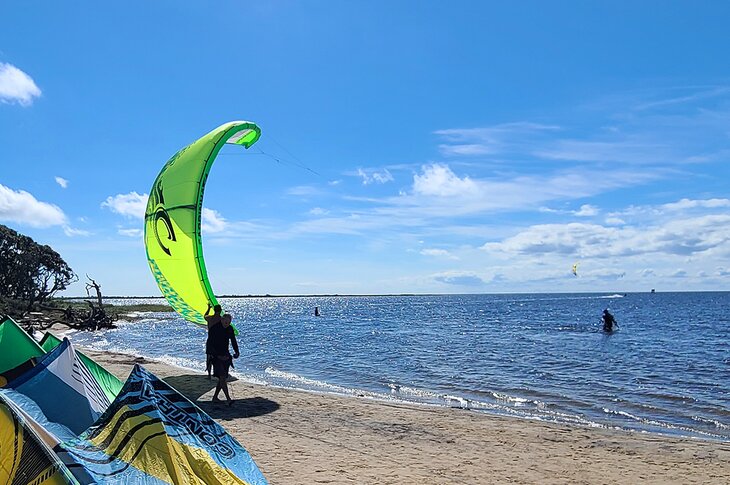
(193, 386)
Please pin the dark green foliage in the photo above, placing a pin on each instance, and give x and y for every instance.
(30, 272)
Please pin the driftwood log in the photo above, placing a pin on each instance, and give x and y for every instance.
(94, 318)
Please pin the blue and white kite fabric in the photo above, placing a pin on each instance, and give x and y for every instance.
(64, 389)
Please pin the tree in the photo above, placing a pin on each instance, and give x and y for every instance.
(29, 271)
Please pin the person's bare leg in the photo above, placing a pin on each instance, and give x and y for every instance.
(224, 385)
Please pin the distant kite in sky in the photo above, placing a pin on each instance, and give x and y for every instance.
(575, 269)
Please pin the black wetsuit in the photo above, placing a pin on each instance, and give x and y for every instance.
(218, 339)
(608, 322)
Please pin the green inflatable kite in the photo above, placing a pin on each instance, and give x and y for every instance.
(172, 220)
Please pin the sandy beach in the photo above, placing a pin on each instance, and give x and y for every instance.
(302, 437)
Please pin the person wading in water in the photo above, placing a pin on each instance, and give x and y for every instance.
(608, 321)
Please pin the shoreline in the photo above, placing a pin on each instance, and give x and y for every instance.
(300, 436)
(500, 406)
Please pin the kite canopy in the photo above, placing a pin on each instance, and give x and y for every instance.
(16, 349)
(151, 434)
(61, 377)
(25, 457)
(172, 220)
(108, 382)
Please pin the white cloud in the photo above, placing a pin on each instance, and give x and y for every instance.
(129, 205)
(459, 278)
(614, 221)
(318, 211)
(438, 253)
(130, 232)
(16, 86)
(438, 180)
(686, 204)
(71, 232)
(587, 210)
(467, 149)
(62, 182)
(680, 273)
(373, 176)
(681, 237)
(440, 193)
(304, 191)
(211, 221)
(22, 207)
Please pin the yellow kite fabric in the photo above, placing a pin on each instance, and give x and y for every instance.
(24, 457)
(172, 220)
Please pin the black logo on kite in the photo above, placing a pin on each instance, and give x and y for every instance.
(162, 215)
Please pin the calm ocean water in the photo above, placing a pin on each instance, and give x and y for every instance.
(537, 356)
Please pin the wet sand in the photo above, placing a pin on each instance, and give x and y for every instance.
(303, 437)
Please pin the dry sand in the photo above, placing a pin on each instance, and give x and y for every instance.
(302, 437)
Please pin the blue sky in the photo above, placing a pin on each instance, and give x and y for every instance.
(407, 147)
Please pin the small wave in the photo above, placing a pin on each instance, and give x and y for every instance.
(615, 295)
(661, 424)
(713, 422)
(310, 384)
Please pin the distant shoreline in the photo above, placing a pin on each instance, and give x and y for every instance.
(325, 295)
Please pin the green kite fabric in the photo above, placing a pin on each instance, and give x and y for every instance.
(173, 215)
(16, 346)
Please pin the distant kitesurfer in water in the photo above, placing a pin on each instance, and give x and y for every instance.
(210, 320)
(608, 321)
(220, 334)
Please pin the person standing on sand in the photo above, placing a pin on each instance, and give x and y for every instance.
(220, 335)
(210, 320)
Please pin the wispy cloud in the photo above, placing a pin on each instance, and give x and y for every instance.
(62, 182)
(304, 191)
(492, 139)
(371, 176)
(22, 207)
(71, 232)
(439, 193)
(134, 232)
(696, 94)
(669, 130)
(459, 278)
(441, 253)
(318, 211)
(586, 210)
(17, 86)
